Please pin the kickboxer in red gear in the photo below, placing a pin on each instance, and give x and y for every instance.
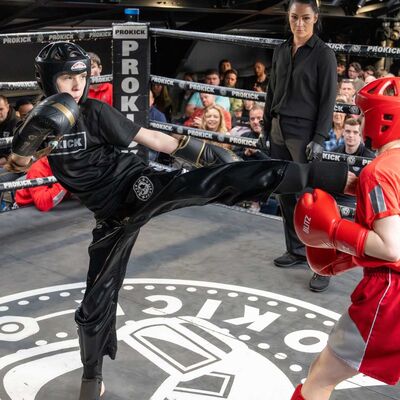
(366, 338)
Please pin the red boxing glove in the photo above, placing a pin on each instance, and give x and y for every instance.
(328, 261)
(318, 223)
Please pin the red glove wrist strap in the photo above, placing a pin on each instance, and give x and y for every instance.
(350, 237)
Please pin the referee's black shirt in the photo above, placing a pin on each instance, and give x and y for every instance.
(303, 86)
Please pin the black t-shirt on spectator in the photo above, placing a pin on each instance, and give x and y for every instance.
(362, 151)
(89, 163)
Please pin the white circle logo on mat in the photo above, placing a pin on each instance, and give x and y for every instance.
(143, 188)
(197, 340)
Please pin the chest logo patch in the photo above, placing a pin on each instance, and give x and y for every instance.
(70, 143)
(143, 188)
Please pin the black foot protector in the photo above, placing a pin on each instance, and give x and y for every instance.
(91, 389)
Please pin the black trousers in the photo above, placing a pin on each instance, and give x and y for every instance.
(288, 139)
(149, 194)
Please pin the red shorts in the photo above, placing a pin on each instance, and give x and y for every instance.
(367, 337)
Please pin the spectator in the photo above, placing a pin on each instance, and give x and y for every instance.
(8, 121)
(99, 91)
(270, 206)
(207, 100)
(213, 120)
(223, 66)
(255, 119)
(211, 78)
(369, 79)
(241, 116)
(354, 72)
(382, 73)
(351, 145)
(44, 198)
(299, 105)
(230, 80)
(347, 89)
(183, 96)
(336, 132)
(369, 70)
(162, 99)
(23, 106)
(341, 69)
(154, 115)
(259, 81)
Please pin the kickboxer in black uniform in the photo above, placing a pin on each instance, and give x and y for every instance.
(86, 137)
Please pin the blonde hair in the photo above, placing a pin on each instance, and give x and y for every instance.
(222, 126)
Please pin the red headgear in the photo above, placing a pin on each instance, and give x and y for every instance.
(380, 103)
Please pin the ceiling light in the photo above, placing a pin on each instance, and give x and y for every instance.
(361, 3)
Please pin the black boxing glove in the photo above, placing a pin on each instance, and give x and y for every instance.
(314, 151)
(200, 154)
(57, 115)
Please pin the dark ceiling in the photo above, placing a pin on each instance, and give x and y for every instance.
(344, 21)
(207, 15)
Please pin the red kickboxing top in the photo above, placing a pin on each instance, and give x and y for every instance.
(378, 196)
(43, 197)
(104, 92)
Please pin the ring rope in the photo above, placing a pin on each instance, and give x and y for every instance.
(354, 49)
(33, 85)
(235, 93)
(106, 33)
(52, 36)
(248, 142)
(5, 142)
(185, 85)
(229, 139)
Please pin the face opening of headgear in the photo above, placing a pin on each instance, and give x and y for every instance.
(58, 58)
(380, 103)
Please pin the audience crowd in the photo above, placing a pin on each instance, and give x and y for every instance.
(217, 113)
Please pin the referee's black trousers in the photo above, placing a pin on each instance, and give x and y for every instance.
(289, 137)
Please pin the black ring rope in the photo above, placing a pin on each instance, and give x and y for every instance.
(52, 36)
(248, 142)
(106, 33)
(354, 49)
(185, 85)
(235, 93)
(5, 142)
(33, 85)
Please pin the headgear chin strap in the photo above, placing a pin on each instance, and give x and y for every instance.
(58, 58)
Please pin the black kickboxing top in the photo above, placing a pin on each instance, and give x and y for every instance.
(89, 162)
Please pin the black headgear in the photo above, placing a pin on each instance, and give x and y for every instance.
(59, 58)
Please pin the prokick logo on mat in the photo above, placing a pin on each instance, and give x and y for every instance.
(195, 341)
